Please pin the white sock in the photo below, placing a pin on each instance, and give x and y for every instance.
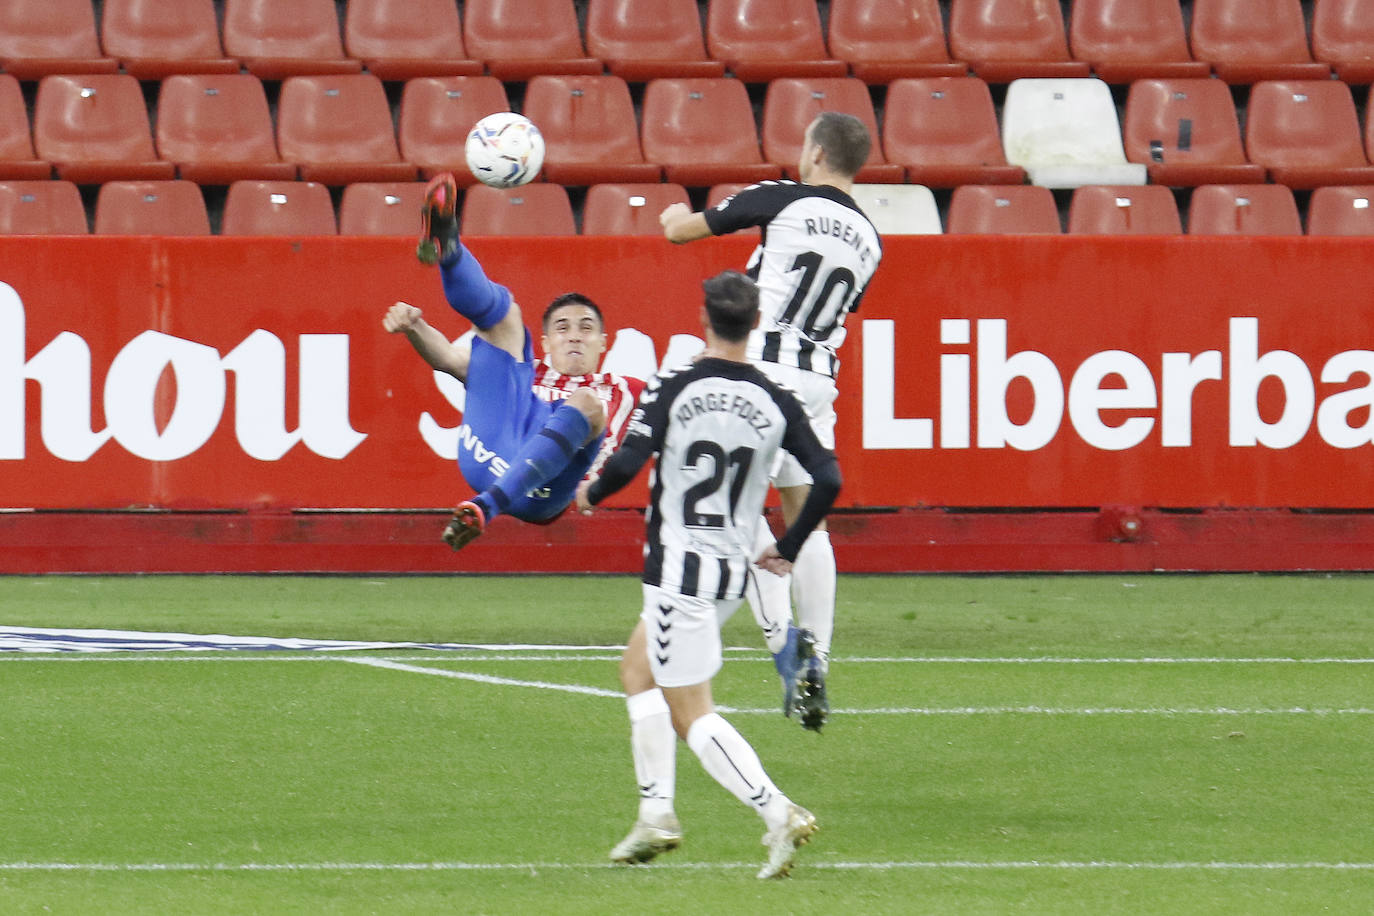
(770, 596)
(813, 587)
(654, 747)
(731, 761)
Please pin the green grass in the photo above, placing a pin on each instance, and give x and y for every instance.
(994, 750)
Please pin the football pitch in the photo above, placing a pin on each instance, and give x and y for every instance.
(1030, 744)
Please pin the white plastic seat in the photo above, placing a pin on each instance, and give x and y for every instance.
(899, 209)
(1066, 133)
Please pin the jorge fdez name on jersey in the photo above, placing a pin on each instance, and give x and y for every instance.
(724, 403)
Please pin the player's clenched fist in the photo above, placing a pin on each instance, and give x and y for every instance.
(401, 317)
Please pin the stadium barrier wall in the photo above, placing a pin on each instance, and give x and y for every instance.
(1075, 402)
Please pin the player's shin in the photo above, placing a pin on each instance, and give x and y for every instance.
(542, 458)
(813, 589)
(653, 744)
(769, 596)
(731, 761)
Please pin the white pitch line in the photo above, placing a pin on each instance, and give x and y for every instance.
(561, 653)
(484, 678)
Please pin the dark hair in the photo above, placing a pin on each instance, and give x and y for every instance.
(572, 299)
(844, 139)
(732, 304)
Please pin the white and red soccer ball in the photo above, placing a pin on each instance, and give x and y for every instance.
(505, 150)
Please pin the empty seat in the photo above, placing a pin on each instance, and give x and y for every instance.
(17, 159)
(760, 40)
(41, 208)
(589, 128)
(1251, 40)
(151, 208)
(382, 208)
(278, 208)
(280, 38)
(518, 39)
(1343, 37)
(217, 129)
(156, 38)
(1243, 209)
(1186, 133)
(403, 39)
(95, 128)
(628, 209)
(1124, 210)
(42, 37)
(533, 209)
(1065, 133)
(642, 41)
(702, 132)
(899, 209)
(436, 115)
(338, 129)
(1003, 40)
(1003, 209)
(1134, 40)
(944, 131)
(1341, 210)
(884, 40)
(1306, 133)
(792, 103)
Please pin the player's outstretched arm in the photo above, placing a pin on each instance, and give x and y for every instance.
(433, 347)
(681, 225)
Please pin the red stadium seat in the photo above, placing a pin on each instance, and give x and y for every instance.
(944, 131)
(1003, 209)
(1124, 210)
(382, 208)
(702, 132)
(885, 40)
(157, 38)
(589, 128)
(281, 38)
(151, 208)
(278, 208)
(404, 39)
(642, 41)
(628, 209)
(532, 209)
(1186, 133)
(1251, 40)
(792, 103)
(1306, 133)
(95, 128)
(1341, 210)
(1243, 209)
(1004, 40)
(17, 159)
(1343, 37)
(338, 129)
(1131, 41)
(218, 129)
(436, 115)
(43, 37)
(760, 40)
(41, 208)
(518, 39)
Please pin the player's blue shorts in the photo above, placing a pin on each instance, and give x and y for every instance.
(502, 412)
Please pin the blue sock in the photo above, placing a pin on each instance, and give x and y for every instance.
(542, 458)
(470, 293)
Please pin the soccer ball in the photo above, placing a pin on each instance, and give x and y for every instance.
(505, 150)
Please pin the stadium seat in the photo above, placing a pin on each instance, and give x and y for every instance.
(404, 39)
(1251, 40)
(278, 208)
(1124, 210)
(157, 38)
(883, 40)
(338, 129)
(589, 128)
(944, 131)
(1341, 210)
(1130, 41)
(436, 115)
(382, 208)
(1343, 38)
(532, 209)
(1186, 133)
(94, 128)
(218, 129)
(1065, 133)
(1306, 133)
(43, 207)
(1005, 40)
(1243, 209)
(792, 103)
(642, 41)
(151, 208)
(899, 209)
(628, 209)
(43, 37)
(17, 159)
(761, 40)
(280, 38)
(702, 132)
(518, 39)
(1003, 209)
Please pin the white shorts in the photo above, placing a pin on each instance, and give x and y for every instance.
(817, 393)
(683, 635)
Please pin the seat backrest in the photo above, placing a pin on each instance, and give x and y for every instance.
(699, 120)
(941, 119)
(764, 30)
(343, 118)
(1184, 120)
(39, 37)
(1124, 210)
(151, 208)
(16, 136)
(792, 103)
(1237, 35)
(41, 208)
(92, 117)
(278, 208)
(1065, 132)
(1341, 210)
(381, 208)
(403, 28)
(184, 34)
(520, 38)
(436, 115)
(1303, 122)
(210, 118)
(532, 209)
(278, 38)
(1126, 41)
(1002, 39)
(639, 40)
(907, 209)
(1243, 209)
(583, 119)
(1343, 35)
(883, 31)
(628, 209)
(1003, 209)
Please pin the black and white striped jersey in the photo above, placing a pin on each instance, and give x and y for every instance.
(816, 256)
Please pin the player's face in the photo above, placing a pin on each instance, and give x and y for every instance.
(574, 340)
